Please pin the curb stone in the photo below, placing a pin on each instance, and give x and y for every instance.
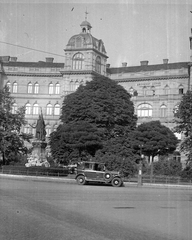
(71, 180)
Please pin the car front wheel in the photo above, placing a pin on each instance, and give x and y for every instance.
(81, 180)
(116, 182)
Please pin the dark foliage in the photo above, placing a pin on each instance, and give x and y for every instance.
(155, 139)
(11, 139)
(167, 167)
(103, 103)
(183, 119)
(96, 120)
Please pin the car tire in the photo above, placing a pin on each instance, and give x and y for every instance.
(107, 176)
(81, 180)
(116, 182)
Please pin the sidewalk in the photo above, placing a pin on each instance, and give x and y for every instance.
(71, 180)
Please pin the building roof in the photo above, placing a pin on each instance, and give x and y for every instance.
(39, 64)
(143, 68)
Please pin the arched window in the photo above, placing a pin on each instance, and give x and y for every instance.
(27, 129)
(14, 108)
(153, 90)
(8, 84)
(48, 130)
(77, 84)
(74, 85)
(35, 109)
(144, 110)
(163, 111)
(166, 90)
(49, 109)
(78, 61)
(176, 108)
(57, 109)
(51, 88)
(57, 88)
(33, 129)
(181, 89)
(36, 88)
(144, 90)
(14, 87)
(131, 91)
(28, 109)
(98, 64)
(29, 88)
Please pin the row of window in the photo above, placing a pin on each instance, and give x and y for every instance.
(34, 88)
(35, 109)
(32, 130)
(78, 62)
(145, 110)
(152, 90)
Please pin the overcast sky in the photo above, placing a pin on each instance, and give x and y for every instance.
(132, 30)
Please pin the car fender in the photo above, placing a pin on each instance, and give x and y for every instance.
(80, 174)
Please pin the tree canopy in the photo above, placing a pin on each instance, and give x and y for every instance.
(155, 139)
(103, 103)
(183, 119)
(11, 138)
(95, 117)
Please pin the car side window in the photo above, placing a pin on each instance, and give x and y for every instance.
(99, 167)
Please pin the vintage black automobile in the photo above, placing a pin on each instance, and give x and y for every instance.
(97, 172)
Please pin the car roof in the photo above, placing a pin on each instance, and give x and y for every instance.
(92, 162)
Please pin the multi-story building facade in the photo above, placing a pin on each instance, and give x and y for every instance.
(156, 89)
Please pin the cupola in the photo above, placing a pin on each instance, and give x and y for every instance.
(86, 27)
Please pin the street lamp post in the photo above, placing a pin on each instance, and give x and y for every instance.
(140, 183)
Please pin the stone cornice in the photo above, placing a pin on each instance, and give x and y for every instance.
(149, 78)
(85, 49)
(88, 72)
(33, 74)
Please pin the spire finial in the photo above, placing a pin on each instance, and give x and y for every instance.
(86, 13)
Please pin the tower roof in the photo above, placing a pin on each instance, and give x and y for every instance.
(85, 24)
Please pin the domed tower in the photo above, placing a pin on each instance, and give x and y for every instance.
(85, 57)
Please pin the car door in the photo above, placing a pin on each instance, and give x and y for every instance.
(100, 172)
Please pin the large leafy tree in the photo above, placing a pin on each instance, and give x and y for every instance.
(11, 139)
(155, 139)
(103, 103)
(105, 106)
(183, 119)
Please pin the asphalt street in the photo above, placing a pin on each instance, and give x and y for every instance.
(33, 208)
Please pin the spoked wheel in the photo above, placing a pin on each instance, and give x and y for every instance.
(107, 176)
(116, 182)
(81, 180)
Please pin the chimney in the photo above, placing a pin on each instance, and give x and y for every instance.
(124, 64)
(13, 59)
(50, 60)
(107, 65)
(165, 61)
(5, 58)
(144, 63)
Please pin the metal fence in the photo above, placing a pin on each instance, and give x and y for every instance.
(161, 180)
(28, 172)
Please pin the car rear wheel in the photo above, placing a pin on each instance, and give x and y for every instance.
(81, 180)
(116, 182)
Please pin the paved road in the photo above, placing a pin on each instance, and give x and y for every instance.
(34, 210)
